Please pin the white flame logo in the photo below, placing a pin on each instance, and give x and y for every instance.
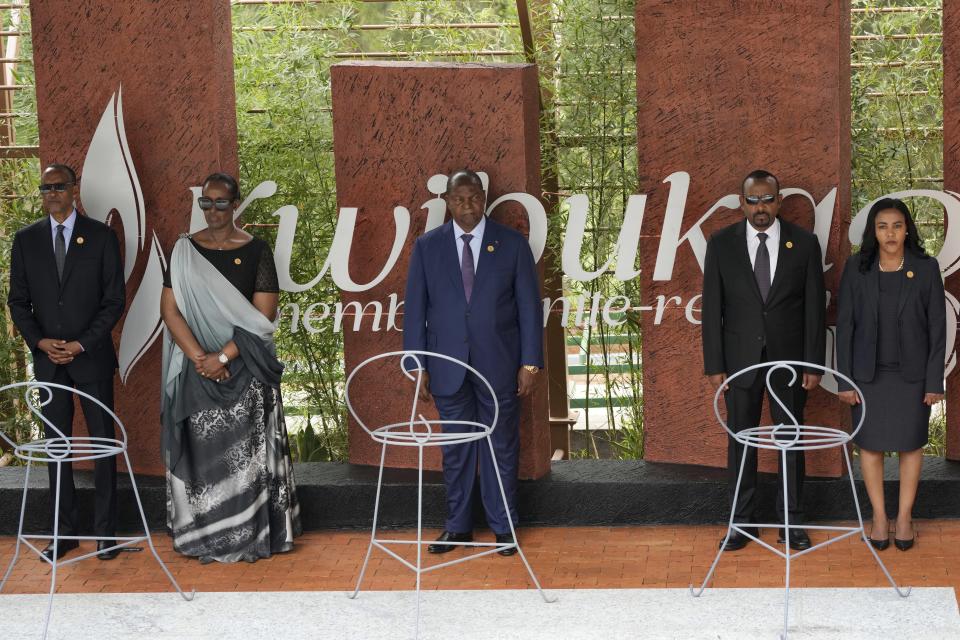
(110, 184)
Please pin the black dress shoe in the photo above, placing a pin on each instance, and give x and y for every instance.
(904, 545)
(106, 555)
(799, 540)
(63, 547)
(881, 544)
(506, 538)
(737, 540)
(446, 536)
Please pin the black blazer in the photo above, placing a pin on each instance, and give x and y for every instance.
(736, 323)
(923, 322)
(85, 307)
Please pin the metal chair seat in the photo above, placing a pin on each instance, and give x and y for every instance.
(792, 437)
(73, 449)
(422, 434)
(786, 438)
(62, 449)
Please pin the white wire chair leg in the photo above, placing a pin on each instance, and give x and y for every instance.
(56, 546)
(149, 536)
(696, 593)
(506, 507)
(786, 543)
(23, 508)
(863, 534)
(373, 530)
(419, 534)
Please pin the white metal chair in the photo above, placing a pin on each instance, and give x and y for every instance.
(419, 432)
(786, 438)
(58, 450)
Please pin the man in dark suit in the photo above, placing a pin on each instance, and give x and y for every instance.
(473, 294)
(763, 300)
(66, 294)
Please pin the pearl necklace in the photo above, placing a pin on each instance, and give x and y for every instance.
(880, 264)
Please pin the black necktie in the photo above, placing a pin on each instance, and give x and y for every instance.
(761, 266)
(60, 251)
(467, 271)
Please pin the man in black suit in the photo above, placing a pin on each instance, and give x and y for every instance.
(763, 300)
(66, 294)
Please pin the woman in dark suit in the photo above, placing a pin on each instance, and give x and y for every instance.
(891, 340)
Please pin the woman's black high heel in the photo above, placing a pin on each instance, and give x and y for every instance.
(880, 545)
(905, 545)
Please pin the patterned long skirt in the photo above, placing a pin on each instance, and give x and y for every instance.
(236, 498)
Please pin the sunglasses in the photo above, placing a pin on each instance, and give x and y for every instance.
(766, 198)
(55, 187)
(205, 203)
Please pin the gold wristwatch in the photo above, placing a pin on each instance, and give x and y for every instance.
(531, 368)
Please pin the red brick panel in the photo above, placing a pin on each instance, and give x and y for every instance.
(724, 87)
(395, 126)
(174, 61)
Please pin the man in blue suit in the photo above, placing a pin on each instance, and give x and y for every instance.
(473, 294)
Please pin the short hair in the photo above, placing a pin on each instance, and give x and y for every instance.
(760, 174)
(67, 169)
(463, 175)
(224, 178)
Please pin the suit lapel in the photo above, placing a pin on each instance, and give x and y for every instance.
(44, 243)
(907, 281)
(449, 260)
(743, 257)
(491, 238)
(873, 290)
(786, 257)
(74, 249)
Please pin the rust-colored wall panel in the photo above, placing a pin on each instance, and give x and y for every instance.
(174, 61)
(951, 182)
(724, 87)
(395, 126)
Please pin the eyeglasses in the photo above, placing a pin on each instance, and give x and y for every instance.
(205, 203)
(55, 187)
(766, 198)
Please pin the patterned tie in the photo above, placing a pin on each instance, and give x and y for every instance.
(761, 266)
(466, 266)
(60, 251)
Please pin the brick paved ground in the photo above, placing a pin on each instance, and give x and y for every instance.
(575, 557)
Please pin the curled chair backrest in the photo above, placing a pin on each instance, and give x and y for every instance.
(790, 366)
(44, 394)
(412, 366)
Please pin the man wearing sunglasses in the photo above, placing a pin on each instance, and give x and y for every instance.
(763, 300)
(66, 294)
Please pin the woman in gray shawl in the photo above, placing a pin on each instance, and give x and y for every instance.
(230, 487)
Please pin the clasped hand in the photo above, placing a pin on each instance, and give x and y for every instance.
(60, 351)
(209, 366)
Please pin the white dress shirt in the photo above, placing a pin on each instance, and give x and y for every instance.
(67, 229)
(475, 242)
(773, 245)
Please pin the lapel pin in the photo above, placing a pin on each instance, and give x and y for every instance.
(490, 248)
(80, 240)
(909, 274)
(789, 245)
(237, 261)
